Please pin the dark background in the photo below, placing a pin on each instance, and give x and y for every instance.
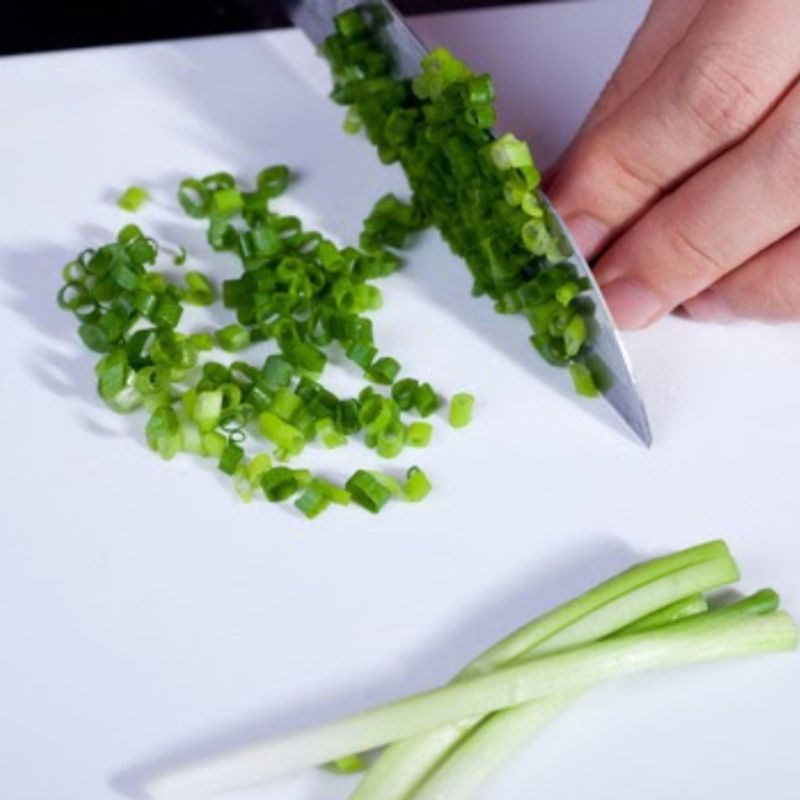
(32, 26)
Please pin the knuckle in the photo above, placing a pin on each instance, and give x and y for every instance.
(695, 263)
(620, 171)
(721, 95)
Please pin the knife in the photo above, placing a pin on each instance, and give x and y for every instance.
(620, 389)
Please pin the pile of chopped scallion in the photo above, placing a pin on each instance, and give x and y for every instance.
(297, 290)
(480, 192)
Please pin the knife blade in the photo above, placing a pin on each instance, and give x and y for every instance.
(621, 390)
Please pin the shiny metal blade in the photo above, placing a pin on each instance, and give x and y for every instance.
(621, 390)
(315, 18)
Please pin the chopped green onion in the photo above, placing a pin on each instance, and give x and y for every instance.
(418, 434)
(482, 194)
(383, 371)
(417, 486)
(277, 372)
(201, 341)
(391, 439)
(392, 484)
(226, 202)
(180, 257)
(164, 432)
(272, 181)
(425, 400)
(256, 467)
(362, 354)
(404, 392)
(336, 494)
(230, 459)
(326, 430)
(461, 406)
(583, 380)
(207, 409)
(286, 404)
(133, 198)
(214, 444)
(348, 417)
(368, 491)
(242, 485)
(375, 414)
(312, 502)
(194, 198)
(191, 438)
(285, 436)
(349, 765)
(233, 338)
(199, 291)
(279, 484)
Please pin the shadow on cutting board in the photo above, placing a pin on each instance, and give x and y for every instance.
(537, 590)
(33, 278)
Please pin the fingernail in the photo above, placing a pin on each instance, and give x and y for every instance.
(589, 234)
(710, 306)
(632, 305)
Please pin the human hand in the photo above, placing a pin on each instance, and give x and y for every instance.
(685, 179)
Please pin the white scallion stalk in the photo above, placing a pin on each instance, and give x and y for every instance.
(638, 592)
(500, 735)
(702, 639)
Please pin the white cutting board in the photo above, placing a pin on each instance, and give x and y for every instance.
(145, 614)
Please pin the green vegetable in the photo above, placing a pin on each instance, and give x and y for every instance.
(583, 380)
(199, 291)
(297, 291)
(642, 590)
(313, 501)
(230, 459)
(279, 483)
(369, 492)
(334, 493)
(531, 687)
(180, 257)
(284, 435)
(418, 434)
(426, 400)
(233, 338)
(695, 641)
(384, 370)
(500, 735)
(403, 393)
(226, 202)
(348, 765)
(461, 406)
(417, 486)
(133, 198)
(482, 193)
(256, 468)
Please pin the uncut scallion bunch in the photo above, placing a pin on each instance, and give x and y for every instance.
(444, 742)
(299, 291)
(481, 193)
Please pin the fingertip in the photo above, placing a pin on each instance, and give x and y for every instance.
(632, 304)
(590, 234)
(709, 306)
